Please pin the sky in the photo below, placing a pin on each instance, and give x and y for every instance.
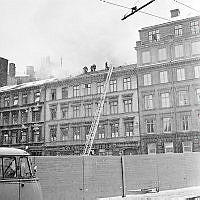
(78, 32)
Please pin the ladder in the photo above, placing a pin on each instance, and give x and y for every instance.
(95, 123)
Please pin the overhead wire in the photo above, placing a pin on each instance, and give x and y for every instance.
(114, 4)
(133, 6)
(187, 6)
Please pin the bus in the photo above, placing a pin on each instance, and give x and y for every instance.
(17, 180)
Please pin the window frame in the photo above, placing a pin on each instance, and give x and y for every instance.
(147, 79)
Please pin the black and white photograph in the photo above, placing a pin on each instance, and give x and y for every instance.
(99, 100)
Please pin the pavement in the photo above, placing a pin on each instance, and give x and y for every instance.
(177, 194)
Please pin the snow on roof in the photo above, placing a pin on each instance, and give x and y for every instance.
(26, 85)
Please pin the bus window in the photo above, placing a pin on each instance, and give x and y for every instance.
(1, 171)
(24, 168)
(9, 167)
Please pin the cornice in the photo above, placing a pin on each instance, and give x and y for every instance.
(97, 76)
(173, 63)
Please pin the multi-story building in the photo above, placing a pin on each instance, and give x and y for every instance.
(22, 116)
(168, 58)
(72, 102)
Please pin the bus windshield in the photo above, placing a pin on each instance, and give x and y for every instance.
(14, 167)
(25, 171)
(9, 167)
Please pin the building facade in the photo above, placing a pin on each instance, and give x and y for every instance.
(70, 107)
(22, 116)
(168, 58)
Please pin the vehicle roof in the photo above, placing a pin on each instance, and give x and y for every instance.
(12, 151)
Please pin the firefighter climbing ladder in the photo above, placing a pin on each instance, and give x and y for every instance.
(93, 128)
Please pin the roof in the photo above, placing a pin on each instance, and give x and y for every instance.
(171, 22)
(26, 85)
(12, 151)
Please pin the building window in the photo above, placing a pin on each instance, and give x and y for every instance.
(15, 118)
(113, 85)
(146, 58)
(104, 110)
(23, 136)
(151, 148)
(37, 96)
(64, 133)
(24, 98)
(114, 129)
(76, 133)
(5, 118)
(197, 71)
(24, 116)
(162, 54)
(36, 116)
(180, 74)
(128, 105)
(195, 48)
(7, 101)
(164, 77)
(100, 86)
(101, 131)
(165, 100)
(127, 83)
(198, 95)
(53, 113)
(129, 128)
(154, 35)
(178, 30)
(183, 98)
(53, 94)
(179, 51)
(14, 137)
(87, 89)
(64, 93)
(88, 110)
(169, 148)
(114, 107)
(76, 91)
(150, 125)
(6, 139)
(15, 100)
(148, 102)
(194, 27)
(36, 133)
(53, 133)
(167, 126)
(185, 122)
(76, 111)
(147, 79)
(87, 132)
(64, 112)
(187, 146)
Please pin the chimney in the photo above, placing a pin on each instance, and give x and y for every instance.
(12, 70)
(175, 13)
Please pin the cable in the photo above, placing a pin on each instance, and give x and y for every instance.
(187, 6)
(155, 16)
(114, 4)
